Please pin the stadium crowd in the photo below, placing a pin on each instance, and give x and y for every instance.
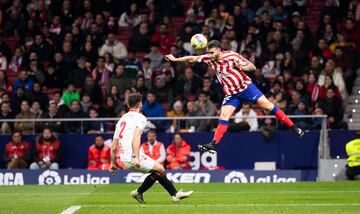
(71, 60)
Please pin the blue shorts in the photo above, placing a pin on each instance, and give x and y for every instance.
(251, 94)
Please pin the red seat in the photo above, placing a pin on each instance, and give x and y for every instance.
(141, 55)
(12, 42)
(166, 107)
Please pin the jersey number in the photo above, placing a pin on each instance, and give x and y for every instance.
(122, 127)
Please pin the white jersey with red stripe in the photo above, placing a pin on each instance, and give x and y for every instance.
(231, 77)
(124, 131)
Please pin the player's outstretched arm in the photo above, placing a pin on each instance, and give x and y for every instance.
(171, 57)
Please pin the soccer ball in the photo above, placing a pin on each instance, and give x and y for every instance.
(198, 41)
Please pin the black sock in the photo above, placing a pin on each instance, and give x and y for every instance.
(148, 182)
(164, 181)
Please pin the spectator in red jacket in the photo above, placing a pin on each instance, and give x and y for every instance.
(99, 155)
(17, 152)
(178, 154)
(164, 38)
(47, 151)
(154, 148)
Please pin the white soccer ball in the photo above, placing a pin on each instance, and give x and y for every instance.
(198, 41)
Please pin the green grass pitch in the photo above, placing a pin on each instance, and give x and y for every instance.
(307, 197)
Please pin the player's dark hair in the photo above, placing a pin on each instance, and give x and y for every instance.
(134, 100)
(214, 44)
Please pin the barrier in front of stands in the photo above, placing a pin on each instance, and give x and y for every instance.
(236, 151)
(75, 177)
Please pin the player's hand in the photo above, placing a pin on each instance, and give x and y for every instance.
(112, 169)
(137, 163)
(170, 57)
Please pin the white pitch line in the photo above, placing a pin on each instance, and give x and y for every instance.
(160, 193)
(71, 210)
(220, 205)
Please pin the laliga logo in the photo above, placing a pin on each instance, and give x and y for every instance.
(235, 177)
(49, 177)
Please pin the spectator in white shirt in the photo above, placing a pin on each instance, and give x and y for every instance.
(247, 114)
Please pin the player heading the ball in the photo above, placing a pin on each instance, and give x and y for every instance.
(230, 68)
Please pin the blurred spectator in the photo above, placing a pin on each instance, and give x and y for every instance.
(141, 39)
(108, 108)
(99, 155)
(93, 90)
(52, 113)
(4, 82)
(328, 83)
(262, 83)
(22, 81)
(164, 38)
(17, 154)
(94, 127)
(132, 65)
(70, 94)
(38, 95)
(154, 148)
(116, 48)
(42, 48)
(109, 62)
(36, 109)
(47, 152)
(205, 105)
(25, 113)
(74, 127)
(141, 85)
(119, 79)
(333, 108)
(196, 125)
(188, 83)
(130, 18)
(315, 66)
(176, 112)
(321, 51)
(53, 78)
(15, 23)
(35, 72)
(86, 102)
(155, 56)
(6, 113)
(163, 92)
(4, 48)
(101, 74)
(248, 120)
(16, 61)
(152, 108)
(178, 154)
(317, 122)
(303, 123)
(89, 52)
(337, 76)
(343, 42)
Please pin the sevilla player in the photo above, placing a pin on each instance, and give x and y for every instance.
(128, 135)
(230, 67)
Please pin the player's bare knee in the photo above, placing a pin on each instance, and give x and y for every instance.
(159, 168)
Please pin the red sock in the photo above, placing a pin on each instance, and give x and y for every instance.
(220, 130)
(280, 115)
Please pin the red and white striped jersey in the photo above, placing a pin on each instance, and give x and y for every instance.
(228, 72)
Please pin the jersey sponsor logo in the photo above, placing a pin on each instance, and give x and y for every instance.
(51, 177)
(10, 178)
(240, 177)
